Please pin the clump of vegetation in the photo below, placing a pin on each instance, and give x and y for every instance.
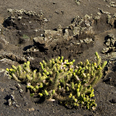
(25, 36)
(59, 79)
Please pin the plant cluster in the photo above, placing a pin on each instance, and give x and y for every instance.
(59, 79)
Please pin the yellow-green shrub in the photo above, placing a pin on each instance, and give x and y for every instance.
(59, 79)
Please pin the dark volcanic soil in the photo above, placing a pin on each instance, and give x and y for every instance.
(37, 30)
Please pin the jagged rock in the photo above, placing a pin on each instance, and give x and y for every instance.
(112, 4)
(105, 50)
(103, 12)
(76, 30)
(88, 40)
(49, 38)
(66, 34)
(13, 57)
(110, 20)
(108, 43)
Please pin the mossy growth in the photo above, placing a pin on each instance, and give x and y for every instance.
(25, 36)
(59, 79)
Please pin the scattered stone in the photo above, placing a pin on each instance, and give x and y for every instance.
(66, 34)
(45, 19)
(113, 4)
(49, 38)
(78, 2)
(113, 101)
(111, 19)
(12, 57)
(1, 46)
(3, 40)
(110, 42)
(81, 41)
(11, 101)
(113, 56)
(31, 109)
(21, 90)
(105, 50)
(18, 86)
(88, 40)
(97, 18)
(103, 12)
(2, 89)
(76, 30)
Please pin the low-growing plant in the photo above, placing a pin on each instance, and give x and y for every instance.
(60, 80)
(25, 36)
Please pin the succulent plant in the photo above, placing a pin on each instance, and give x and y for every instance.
(60, 80)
